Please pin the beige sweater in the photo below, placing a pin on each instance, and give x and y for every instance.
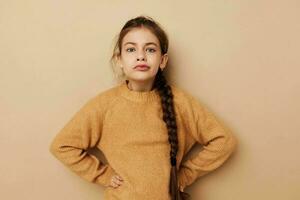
(127, 126)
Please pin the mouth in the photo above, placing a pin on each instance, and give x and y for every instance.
(141, 67)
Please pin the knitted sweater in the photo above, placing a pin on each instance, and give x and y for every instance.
(128, 127)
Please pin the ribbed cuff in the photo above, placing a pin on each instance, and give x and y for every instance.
(182, 179)
(105, 178)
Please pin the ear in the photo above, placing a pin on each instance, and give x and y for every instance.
(118, 60)
(164, 61)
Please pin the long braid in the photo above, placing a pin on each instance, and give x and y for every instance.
(169, 118)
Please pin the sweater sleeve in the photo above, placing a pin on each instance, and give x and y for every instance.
(218, 144)
(83, 131)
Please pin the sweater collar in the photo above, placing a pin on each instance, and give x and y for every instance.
(141, 96)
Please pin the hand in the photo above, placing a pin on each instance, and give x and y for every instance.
(115, 181)
(181, 188)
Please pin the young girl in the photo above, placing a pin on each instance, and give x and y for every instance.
(144, 126)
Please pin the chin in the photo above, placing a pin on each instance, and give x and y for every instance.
(141, 78)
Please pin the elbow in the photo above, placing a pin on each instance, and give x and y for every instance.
(232, 144)
(53, 148)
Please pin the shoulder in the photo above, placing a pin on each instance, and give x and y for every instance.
(102, 100)
(108, 94)
(181, 95)
(185, 101)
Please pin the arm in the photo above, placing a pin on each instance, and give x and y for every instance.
(218, 144)
(83, 131)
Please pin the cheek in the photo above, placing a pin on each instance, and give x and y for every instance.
(156, 61)
(129, 58)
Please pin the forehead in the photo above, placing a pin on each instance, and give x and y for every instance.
(140, 36)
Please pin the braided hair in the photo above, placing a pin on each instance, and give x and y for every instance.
(169, 118)
(164, 90)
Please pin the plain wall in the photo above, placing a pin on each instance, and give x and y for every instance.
(241, 58)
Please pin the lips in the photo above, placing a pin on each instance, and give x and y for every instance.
(141, 67)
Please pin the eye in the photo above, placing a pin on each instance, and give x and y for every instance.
(152, 50)
(129, 49)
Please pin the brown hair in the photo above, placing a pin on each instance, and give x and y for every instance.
(164, 90)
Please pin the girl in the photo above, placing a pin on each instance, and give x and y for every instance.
(144, 126)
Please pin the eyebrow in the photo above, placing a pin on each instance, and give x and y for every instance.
(148, 43)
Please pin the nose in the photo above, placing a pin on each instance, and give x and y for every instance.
(141, 55)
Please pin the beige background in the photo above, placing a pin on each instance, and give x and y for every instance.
(239, 57)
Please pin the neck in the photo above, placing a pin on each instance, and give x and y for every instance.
(139, 86)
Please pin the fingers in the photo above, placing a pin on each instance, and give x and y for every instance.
(119, 177)
(116, 181)
(181, 188)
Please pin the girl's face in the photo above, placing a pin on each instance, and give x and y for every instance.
(141, 47)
